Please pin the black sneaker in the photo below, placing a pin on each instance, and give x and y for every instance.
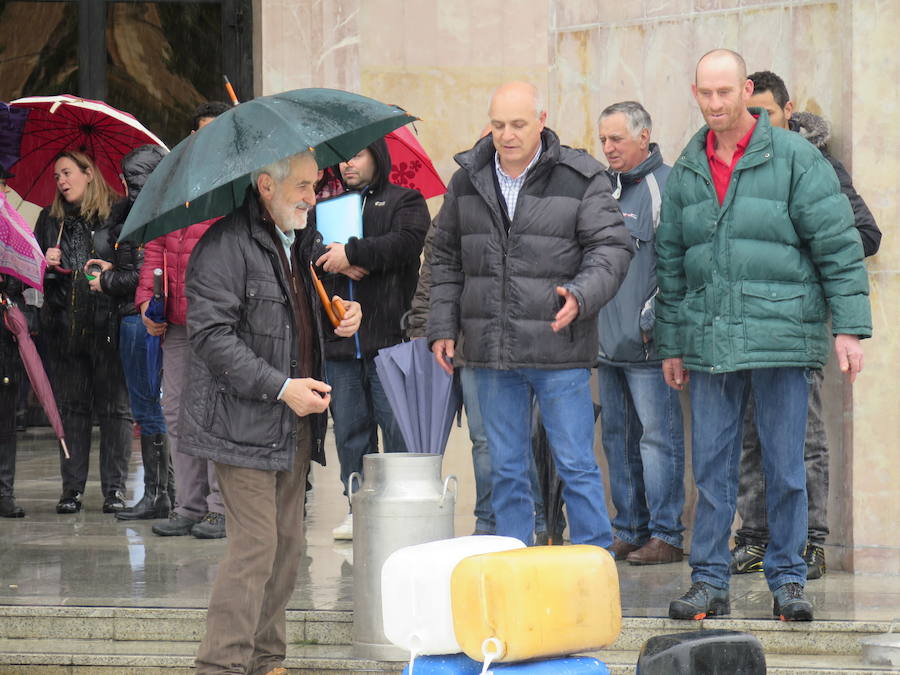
(791, 603)
(747, 558)
(176, 526)
(700, 601)
(814, 557)
(69, 502)
(114, 502)
(211, 527)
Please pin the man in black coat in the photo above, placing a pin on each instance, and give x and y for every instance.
(380, 270)
(254, 404)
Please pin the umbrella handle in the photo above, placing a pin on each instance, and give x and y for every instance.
(446, 489)
(358, 478)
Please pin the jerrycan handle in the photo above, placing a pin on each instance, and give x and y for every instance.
(358, 478)
(446, 488)
(492, 649)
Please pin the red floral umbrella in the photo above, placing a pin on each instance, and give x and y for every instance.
(59, 123)
(410, 165)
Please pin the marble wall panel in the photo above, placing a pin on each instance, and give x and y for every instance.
(307, 44)
(876, 106)
(655, 9)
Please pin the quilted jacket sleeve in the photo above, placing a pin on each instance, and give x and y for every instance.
(823, 220)
(670, 275)
(446, 272)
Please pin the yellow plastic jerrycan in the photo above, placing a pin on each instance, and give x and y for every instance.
(535, 602)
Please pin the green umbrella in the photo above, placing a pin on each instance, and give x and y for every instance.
(207, 174)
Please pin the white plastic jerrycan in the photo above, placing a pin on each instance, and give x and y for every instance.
(415, 591)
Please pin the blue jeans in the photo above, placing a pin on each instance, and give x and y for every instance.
(564, 397)
(358, 407)
(717, 409)
(643, 436)
(481, 462)
(145, 405)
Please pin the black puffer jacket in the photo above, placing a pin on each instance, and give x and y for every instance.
(120, 282)
(244, 345)
(818, 132)
(395, 220)
(73, 314)
(499, 288)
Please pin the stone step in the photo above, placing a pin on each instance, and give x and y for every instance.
(148, 657)
(322, 627)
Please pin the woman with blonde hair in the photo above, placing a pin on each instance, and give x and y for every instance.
(80, 337)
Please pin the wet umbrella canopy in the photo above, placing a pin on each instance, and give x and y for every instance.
(206, 175)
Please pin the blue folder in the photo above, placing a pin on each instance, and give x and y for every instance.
(340, 218)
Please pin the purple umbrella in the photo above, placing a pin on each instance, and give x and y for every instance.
(18, 326)
(423, 397)
(12, 124)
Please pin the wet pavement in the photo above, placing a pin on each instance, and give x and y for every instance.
(91, 559)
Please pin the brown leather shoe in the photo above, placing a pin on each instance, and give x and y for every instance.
(620, 549)
(655, 552)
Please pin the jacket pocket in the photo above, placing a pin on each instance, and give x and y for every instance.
(694, 323)
(265, 308)
(772, 316)
(245, 421)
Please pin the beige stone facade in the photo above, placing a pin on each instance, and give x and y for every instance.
(441, 59)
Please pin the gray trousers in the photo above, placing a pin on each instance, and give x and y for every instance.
(245, 623)
(751, 501)
(196, 484)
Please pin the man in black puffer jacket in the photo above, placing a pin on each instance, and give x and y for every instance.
(528, 246)
(380, 270)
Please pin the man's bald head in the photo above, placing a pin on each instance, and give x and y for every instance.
(720, 58)
(519, 94)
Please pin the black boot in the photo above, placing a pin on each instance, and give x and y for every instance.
(155, 502)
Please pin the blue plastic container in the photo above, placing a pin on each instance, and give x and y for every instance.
(444, 664)
(567, 665)
(460, 664)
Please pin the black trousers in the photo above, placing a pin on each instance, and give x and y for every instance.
(9, 394)
(90, 384)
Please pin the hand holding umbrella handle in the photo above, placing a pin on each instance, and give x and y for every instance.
(334, 308)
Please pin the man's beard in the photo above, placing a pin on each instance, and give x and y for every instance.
(291, 215)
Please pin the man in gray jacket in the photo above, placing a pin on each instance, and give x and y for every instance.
(529, 244)
(255, 405)
(640, 414)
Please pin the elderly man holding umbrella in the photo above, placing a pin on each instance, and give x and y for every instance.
(254, 403)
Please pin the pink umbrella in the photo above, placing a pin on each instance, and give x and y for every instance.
(59, 123)
(20, 255)
(410, 165)
(18, 326)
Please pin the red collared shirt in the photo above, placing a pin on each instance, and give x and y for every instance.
(721, 172)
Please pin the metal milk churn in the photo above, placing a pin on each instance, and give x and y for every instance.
(402, 502)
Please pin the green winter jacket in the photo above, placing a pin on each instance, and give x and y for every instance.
(748, 284)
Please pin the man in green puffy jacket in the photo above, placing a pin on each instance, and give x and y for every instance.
(756, 247)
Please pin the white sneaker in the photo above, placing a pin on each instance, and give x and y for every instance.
(344, 531)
